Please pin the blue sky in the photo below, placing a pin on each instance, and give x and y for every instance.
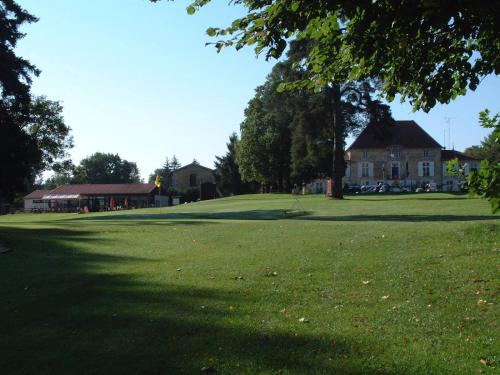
(135, 78)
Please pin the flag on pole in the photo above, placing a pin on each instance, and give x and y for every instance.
(158, 181)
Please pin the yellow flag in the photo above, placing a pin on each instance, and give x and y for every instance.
(158, 181)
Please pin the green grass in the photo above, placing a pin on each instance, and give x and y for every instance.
(386, 284)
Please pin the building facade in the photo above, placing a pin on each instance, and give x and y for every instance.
(94, 197)
(401, 155)
(192, 176)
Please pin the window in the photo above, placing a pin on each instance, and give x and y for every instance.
(426, 168)
(426, 154)
(365, 155)
(395, 170)
(192, 180)
(395, 153)
(365, 170)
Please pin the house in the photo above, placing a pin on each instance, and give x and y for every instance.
(96, 197)
(33, 202)
(403, 154)
(195, 177)
(451, 182)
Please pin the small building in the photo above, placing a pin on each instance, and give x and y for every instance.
(195, 177)
(33, 202)
(451, 182)
(97, 197)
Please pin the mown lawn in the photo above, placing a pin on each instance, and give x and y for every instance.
(265, 284)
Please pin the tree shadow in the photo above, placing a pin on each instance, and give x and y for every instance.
(403, 218)
(273, 214)
(69, 311)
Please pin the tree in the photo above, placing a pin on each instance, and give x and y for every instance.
(227, 172)
(485, 182)
(428, 51)
(101, 168)
(284, 127)
(489, 149)
(19, 154)
(45, 125)
(175, 163)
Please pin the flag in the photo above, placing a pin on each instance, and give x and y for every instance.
(158, 181)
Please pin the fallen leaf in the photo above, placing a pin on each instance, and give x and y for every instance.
(483, 361)
(303, 320)
(366, 282)
(384, 297)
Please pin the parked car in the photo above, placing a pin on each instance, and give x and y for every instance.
(396, 189)
(431, 187)
(352, 188)
(419, 190)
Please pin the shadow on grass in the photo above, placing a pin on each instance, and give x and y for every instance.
(66, 311)
(403, 218)
(276, 214)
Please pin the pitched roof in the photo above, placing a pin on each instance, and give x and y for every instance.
(37, 194)
(193, 165)
(452, 154)
(100, 189)
(404, 133)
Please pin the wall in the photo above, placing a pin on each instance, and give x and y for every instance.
(380, 158)
(181, 178)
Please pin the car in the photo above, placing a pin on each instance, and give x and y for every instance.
(419, 190)
(396, 189)
(431, 187)
(352, 188)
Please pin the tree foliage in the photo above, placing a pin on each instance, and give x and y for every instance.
(485, 182)
(19, 154)
(227, 174)
(428, 51)
(290, 135)
(46, 126)
(101, 168)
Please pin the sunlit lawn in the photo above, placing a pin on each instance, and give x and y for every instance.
(255, 285)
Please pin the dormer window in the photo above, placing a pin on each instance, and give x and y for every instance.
(395, 153)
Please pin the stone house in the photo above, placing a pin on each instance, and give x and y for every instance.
(192, 176)
(403, 154)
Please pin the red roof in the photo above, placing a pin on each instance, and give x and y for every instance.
(37, 194)
(404, 133)
(102, 189)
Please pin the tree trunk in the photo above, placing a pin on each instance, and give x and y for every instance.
(338, 144)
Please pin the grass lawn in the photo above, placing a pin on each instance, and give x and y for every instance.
(263, 284)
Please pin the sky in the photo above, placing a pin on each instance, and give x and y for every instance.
(135, 78)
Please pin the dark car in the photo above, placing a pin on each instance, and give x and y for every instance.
(352, 188)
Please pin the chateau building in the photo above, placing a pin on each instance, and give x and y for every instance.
(403, 154)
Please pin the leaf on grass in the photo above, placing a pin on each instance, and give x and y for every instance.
(304, 320)
(384, 297)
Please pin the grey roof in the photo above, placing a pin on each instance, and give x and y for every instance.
(452, 154)
(403, 133)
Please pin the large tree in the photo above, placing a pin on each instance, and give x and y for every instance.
(45, 125)
(19, 154)
(293, 135)
(101, 168)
